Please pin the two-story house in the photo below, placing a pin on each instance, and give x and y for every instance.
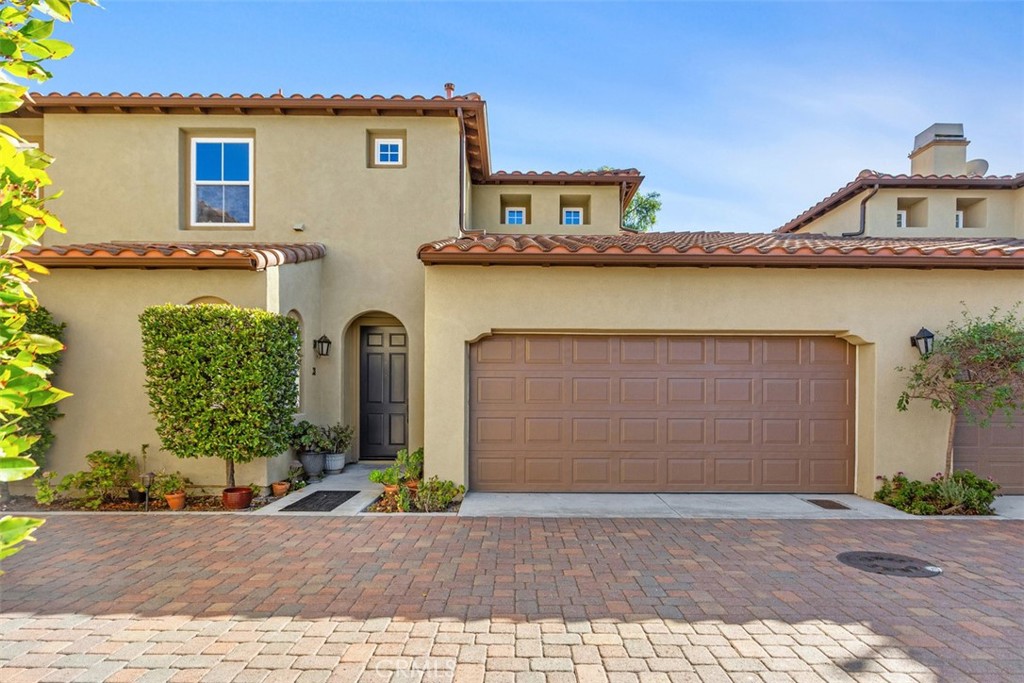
(502, 320)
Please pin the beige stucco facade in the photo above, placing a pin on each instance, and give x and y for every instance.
(544, 203)
(860, 306)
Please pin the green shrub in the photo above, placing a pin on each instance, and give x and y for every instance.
(221, 380)
(961, 493)
(388, 477)
(435, 495)
(306, 437)
(39, 418)
(338, 437)
(166, 483)
(108, 478)
(411, 464)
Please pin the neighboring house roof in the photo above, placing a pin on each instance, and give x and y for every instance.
(194, 255)
(473, 107)
(868, 179)
(726, 249)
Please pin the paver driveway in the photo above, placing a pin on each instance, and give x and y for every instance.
(248, 598)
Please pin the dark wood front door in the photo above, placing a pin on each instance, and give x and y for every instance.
(383, 391)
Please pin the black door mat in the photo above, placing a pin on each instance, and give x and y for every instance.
(827, 504)
(321, 501)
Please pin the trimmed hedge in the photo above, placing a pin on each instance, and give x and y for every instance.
(221, 380)
(37, 423)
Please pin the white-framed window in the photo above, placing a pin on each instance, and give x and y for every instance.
(958, 220)
(515, 215)
(388, 152)
(572, 216)
(901, 219)
(221, 180)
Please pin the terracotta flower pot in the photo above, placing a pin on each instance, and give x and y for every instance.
(236, 497)
(280, 488)
(413, 485)
(175, 501)
(390, 489)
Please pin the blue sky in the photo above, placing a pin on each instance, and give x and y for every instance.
(740, 114)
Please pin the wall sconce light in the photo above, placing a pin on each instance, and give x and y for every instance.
(923, 341)
(322, 346)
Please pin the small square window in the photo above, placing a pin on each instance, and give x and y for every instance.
(572, 216)
(515, 215)
(221, 180)
(388, 152)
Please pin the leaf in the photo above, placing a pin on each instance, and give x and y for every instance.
(58, 48)
(37, 29)
(16, 530)
(58, 9)
(16, 469)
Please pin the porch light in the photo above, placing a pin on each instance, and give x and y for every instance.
(322, 346)
(923, 341)
(147, 483)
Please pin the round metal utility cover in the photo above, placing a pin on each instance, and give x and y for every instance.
(889, 564)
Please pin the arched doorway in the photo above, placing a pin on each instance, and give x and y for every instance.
(382, 397)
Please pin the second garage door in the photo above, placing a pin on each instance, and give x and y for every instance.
(666, 413)
(995, 451)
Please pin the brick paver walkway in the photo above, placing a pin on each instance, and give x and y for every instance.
(245, 598)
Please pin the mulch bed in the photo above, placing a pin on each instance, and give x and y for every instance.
(192, 504)
(384, 504)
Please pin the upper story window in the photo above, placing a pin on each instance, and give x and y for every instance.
(515, 215)
(221, 182)
(901, 219)
(572, 216)
(958, 219)
(388, 152)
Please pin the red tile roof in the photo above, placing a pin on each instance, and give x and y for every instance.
(726, 249)
(868, 179)
(215, 255)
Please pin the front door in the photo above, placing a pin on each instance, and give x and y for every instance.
(383, 391)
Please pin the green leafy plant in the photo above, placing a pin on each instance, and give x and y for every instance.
(167, 483)
(108, 478)
(389, 476)
(960, 493)
(337, 437)
(257, 490)
(221, 380)
(410, 464)
(39, 418)
(297, 477)
(26, 45)
(47, 492)
(404, 499)
(975, 369)
(307, 437)
(435, 495)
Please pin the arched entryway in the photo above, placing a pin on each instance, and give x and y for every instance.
(379, 361)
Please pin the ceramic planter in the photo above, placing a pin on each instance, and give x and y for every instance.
(236, 497)
(334, 463)
(175, 501)
(312, 464)
(280, 488)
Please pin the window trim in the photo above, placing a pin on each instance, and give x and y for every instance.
(377, 142)
(901, 218)
(194, 184)
(510, 209)
(565, 215)
(958, 220)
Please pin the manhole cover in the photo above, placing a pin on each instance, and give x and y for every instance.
(827, 504)
(889, 564)
(321, 501)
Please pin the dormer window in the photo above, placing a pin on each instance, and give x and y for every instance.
(572, 216)
(515, 215)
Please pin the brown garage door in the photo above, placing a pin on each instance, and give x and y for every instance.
(625, 413)
(995, 451)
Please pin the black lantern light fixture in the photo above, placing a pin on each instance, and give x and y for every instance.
(322, 346)
(923, 341)
(147, 482)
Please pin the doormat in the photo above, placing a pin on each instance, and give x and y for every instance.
(827, 504)
(321, 501)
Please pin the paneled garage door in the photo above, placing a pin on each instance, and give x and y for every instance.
(995, 451)
(625, 413)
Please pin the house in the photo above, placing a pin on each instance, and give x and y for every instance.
(502, 320)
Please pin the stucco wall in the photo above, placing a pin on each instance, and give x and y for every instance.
(546, 215)
(1002, 209)
(877, 310)
(103, 368)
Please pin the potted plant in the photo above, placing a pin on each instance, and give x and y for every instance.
(172, 487)
(280, 488)
(389, 478)
(411, 465)
(236, 497)
(337, 439)
(137, 493)
(310, 444)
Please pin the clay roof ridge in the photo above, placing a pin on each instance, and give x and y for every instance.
(472, 96)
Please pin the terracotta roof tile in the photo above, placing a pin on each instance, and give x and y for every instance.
(867, 179)
(628, 179)
(217, 255)
(725, 248)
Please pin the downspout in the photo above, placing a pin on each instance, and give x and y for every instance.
(462, 172)
(863, 214)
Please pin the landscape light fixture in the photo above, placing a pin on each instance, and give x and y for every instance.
(147, 481)
(923, 341)
(322, 346)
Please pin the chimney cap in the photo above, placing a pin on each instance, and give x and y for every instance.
(449, 89)
(938, 132)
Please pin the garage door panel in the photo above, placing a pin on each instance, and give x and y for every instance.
(661, 414)
(995, 451)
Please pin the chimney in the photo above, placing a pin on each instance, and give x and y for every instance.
(940, 149)
(449, 90)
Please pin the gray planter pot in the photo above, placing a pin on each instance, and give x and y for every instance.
(312, 464)
(334, 463)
